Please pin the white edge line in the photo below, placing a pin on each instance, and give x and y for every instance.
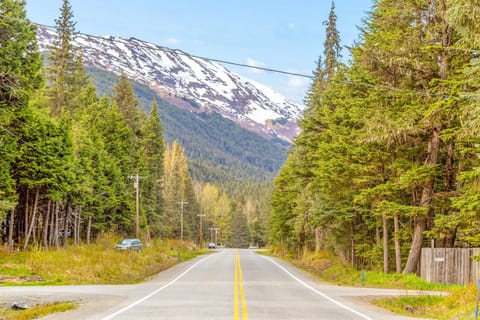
(338, 303)
(154, 292)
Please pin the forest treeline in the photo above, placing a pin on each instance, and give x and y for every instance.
(388, 158)
(72, 162)
(217, 149)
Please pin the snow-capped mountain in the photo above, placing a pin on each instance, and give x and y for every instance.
(190, 82)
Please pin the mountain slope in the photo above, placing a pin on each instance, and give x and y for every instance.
(189, 82)
(217, 148)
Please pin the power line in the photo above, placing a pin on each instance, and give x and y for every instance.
(180, 52)
(154, 46)
(222, 61)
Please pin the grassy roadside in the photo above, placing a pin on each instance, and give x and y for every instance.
(459, 305)
(98, 263)
(36, 311)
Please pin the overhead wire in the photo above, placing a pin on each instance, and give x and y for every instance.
(273, 70)
(153, 46)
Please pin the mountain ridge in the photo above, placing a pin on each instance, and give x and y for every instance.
(190, 82)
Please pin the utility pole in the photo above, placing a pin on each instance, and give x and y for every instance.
(136, 186)
(181, 203)
(201, 229)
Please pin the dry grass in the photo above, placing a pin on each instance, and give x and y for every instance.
(36, 311)
(459, 305)
(98, 263)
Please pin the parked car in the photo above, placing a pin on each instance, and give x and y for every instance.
(211, 245)
(130, 244)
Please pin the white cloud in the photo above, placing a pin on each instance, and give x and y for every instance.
(255, 63)
(298, 82)
(173, 41)
(296, 88)
(291, 25)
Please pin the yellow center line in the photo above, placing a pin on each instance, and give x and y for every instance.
(235, 291)
(238, 288)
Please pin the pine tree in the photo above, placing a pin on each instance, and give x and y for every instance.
(462, 17)
(20, 76)
(304, 158)
(153, 149)
(63, 68)
(127, 103)
(240, 237)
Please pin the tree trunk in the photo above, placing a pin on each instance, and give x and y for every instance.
(377, 234)
(11, 224)
(76, 227)
(75, 222)
(65, 223)
(51, 234)
(89, 228)
(448, 241)
(398, 252)
(420, 222)
(385, 243)
(318, 237)
(55, 235)
(32, 223)
(27, 214)
(46, 222)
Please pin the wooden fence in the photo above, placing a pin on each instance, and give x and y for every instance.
(450, 265)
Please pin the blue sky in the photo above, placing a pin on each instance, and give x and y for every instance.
(279, 34)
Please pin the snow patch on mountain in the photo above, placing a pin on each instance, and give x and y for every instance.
(186, 80)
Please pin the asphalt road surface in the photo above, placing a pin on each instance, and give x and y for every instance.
(228, 284)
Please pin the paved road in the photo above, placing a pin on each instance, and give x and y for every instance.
(228, 284)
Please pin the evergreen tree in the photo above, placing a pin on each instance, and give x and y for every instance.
(240, 237)
(153, 149)
(298, 230)
(64, 61)
(20, 76)
(462, 16)
(127, 103)
(368, 155)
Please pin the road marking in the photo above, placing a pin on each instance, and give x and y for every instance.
(238, 290)
(338, 303)
(235, 290)
(155, 292)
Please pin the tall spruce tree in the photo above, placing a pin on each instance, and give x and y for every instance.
(462, 15)
(20, 76)
(303, 159)
(62, 71)
(127, 103)
(153, 149)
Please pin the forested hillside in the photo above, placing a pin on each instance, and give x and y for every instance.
(218, 149)
(75, 163)
(388, 158)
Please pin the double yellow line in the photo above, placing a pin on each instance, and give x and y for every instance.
(238, 290)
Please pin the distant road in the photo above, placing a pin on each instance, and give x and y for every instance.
(228, 284)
